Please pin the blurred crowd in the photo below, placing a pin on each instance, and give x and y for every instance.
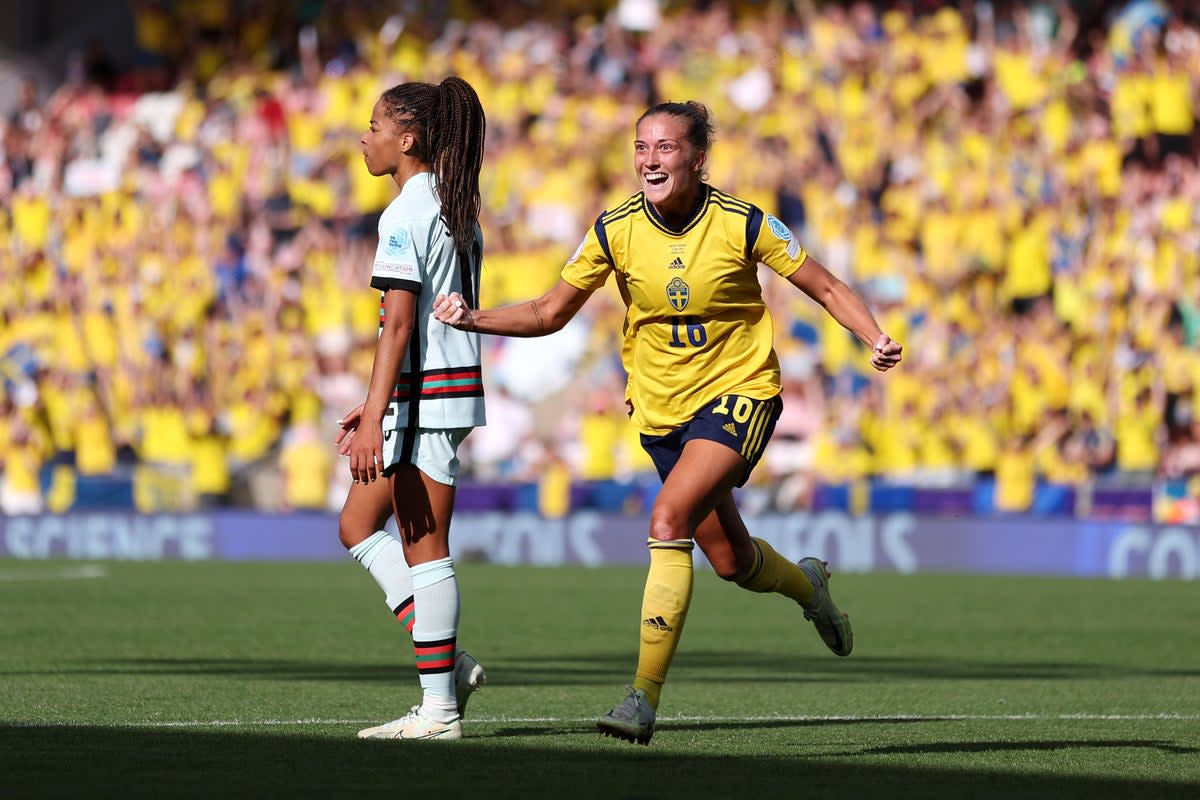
(185, 240)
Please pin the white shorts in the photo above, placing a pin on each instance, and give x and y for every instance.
(434, 451)
(14, 502)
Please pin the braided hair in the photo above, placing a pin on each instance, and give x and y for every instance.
(449, 126)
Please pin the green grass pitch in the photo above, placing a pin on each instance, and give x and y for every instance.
(211, 679)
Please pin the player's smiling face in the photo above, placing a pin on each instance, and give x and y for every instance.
(667, 165)
(382, 143)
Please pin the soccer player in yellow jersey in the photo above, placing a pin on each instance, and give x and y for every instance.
(704, 380)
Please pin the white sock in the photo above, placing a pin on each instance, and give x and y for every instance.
(435, 633)
(383, 556)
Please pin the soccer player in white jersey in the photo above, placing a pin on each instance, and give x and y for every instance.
(426, 389)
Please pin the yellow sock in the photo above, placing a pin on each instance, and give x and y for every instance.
(653, 690)
(772, 572)
(665, 604)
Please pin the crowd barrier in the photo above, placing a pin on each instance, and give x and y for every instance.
(1094, 501)
(889, 542)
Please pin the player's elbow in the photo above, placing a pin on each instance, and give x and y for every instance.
(397, 330)
(825, 294)
(553, 310)
(549, 316)
(822, 288)
(557, 319)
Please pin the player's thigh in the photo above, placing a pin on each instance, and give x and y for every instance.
(366, 510)
(423, 508)
(423, 490)
(705, 475)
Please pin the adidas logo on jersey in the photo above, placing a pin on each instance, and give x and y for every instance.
(677, 264)
(658, 623)
(728, 428)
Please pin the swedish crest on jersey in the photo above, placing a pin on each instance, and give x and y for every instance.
(678, 294)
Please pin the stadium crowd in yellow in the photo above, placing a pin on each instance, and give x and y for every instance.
(184, 260)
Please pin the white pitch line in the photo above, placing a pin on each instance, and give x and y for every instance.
(252, 723)
(85, 572)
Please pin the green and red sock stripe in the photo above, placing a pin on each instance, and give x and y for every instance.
(435, 657)
(404, 612)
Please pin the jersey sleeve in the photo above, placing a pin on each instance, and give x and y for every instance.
(773, 244)
(588, 269)
(397, 265)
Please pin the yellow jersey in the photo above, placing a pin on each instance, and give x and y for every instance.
(696, 327)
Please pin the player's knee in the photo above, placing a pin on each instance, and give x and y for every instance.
(349, 535)
(666, 526)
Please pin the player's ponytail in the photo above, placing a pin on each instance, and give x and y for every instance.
(456, 156)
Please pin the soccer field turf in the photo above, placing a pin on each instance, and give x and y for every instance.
(218, 679)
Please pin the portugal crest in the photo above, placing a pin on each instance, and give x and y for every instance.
(677, 294)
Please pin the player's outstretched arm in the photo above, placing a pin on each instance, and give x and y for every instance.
(848, 309)
(547, 314)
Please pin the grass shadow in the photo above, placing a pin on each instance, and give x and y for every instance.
(593, 668)
(71, 762)
(527, 730)
(1009, 746)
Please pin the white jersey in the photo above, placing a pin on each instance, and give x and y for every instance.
(441, 382)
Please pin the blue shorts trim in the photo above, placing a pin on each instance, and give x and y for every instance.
(738, 422)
